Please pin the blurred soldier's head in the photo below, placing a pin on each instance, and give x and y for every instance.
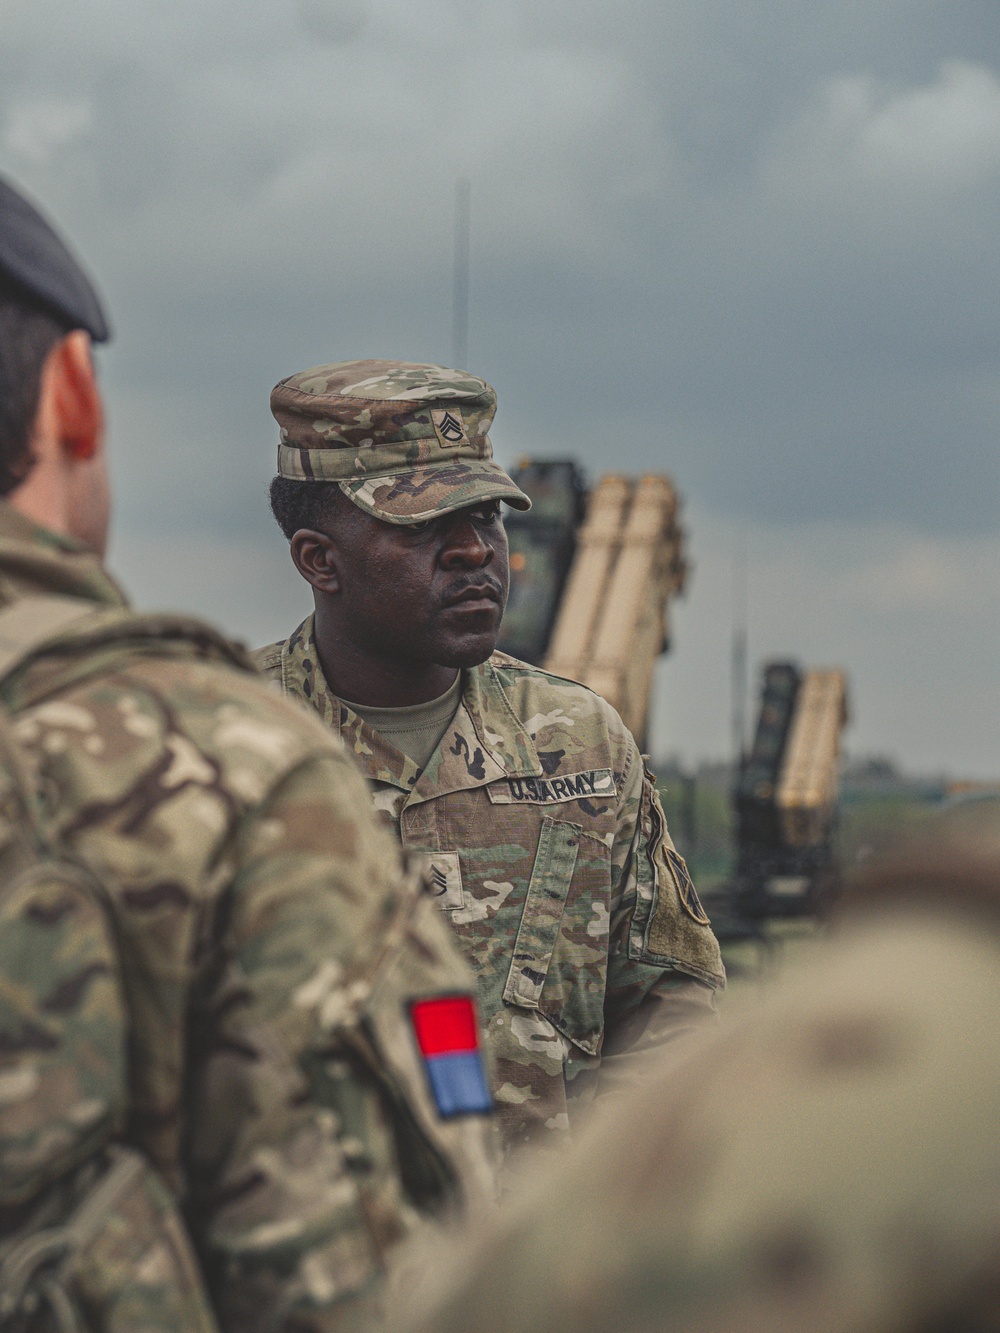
(52, 463)
(389, 496)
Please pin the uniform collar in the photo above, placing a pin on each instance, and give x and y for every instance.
(34, 560)
(485, 741)
(501, 732)
(302, 676)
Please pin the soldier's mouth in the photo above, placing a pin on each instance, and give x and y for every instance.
(476, 596)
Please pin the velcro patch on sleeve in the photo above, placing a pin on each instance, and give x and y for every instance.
(594, 784)
(447, 1035)
(686, 891)
(676, 932)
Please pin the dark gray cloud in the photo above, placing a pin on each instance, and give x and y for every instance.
(752, 241)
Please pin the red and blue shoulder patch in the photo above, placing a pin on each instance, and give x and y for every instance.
(447, 1033)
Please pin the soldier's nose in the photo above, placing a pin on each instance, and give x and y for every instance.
(466, 549)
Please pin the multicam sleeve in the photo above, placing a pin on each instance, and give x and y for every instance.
(298, 1123)
(664, 964)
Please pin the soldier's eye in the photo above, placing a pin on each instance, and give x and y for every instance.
(422, 526)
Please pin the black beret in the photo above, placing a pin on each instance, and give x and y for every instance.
(33, 258)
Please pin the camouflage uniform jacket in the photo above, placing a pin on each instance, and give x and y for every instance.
(268, 944)
(547, 842)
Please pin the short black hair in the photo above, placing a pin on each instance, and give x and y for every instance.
(307, 504)
(28, 332)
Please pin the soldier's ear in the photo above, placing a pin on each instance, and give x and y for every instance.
(76, 399)
(317, 559)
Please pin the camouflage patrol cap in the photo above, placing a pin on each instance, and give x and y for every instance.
(405, 442)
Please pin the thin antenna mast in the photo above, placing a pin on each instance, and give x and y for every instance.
(460, 287)
(738, 681)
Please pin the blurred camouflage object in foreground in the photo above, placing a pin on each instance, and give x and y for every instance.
(828, 1161)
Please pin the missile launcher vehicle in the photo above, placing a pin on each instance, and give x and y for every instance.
(542, 544)
(592, 574)
(785, 803)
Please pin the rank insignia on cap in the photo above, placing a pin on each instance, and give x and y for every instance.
(447, 1036)
(449, 428)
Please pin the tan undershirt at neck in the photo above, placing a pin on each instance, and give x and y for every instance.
(415, 730)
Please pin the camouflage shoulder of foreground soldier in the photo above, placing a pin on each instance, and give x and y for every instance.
(85, 1225)
(253, 891)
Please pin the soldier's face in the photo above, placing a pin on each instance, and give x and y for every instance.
(429, 592)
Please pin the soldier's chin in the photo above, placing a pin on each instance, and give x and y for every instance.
(468, 651)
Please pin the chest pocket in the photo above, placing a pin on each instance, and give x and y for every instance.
(544, 904)
(573, 999)
(560, 956)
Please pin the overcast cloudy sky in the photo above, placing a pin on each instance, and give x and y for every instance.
(751, 242)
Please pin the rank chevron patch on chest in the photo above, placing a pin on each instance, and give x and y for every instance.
(442, 873)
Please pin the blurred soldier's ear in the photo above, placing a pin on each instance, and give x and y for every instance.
(70, 394)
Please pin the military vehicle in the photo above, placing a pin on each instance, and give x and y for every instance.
(786, 793)
(591, 575)
(785, 802)
(542, 544)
